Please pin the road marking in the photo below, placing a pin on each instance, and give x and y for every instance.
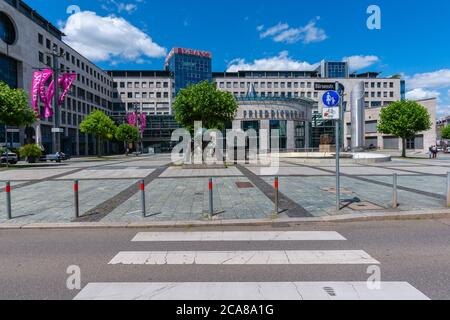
(238, 236)
(243, 258)
(250, 291)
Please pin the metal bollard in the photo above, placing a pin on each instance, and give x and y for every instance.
(448, 189)
(8, 200)
(142, 187)
(76, 198)
(276, 186)
(211, 198)
(394, 192)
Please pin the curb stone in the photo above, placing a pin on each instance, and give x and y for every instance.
(354, 217)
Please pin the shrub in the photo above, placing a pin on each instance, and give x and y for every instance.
(30, 151)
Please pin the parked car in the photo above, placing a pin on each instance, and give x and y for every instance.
(57, 157)
(12, 158)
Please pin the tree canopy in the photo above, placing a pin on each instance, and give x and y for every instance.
(204, 102)
(446, 132)
(404, 119)
(99, 125)
(127, 133)
(14, 107)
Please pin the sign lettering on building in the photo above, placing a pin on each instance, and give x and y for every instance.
(192, 52)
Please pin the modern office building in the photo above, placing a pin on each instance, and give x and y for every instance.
(188, 67)
(28, 42)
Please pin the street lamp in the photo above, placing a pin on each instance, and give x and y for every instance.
(57, 112)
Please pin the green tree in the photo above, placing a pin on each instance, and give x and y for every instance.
(204, 102)
(14, 108)
(127, 133)
(446, 132)
(404, 119)
(99, 125)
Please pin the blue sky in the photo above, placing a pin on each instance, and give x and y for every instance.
(136, 34)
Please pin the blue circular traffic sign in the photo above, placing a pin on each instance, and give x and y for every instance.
(330, 98)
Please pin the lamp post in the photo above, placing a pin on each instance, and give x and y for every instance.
(57, 112)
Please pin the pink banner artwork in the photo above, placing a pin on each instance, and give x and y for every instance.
(143, 122)
(132, 119)
(68, 80)
(35, 85)
(39, 90)
(46, 74)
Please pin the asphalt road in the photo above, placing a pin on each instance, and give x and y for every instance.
(33, 263)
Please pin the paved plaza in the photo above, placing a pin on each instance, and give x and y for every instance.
(109, 190)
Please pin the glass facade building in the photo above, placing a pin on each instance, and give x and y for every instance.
(189, 67)
(332, 69)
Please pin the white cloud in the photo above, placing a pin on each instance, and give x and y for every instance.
(273, 30)
(282, 32)
(420, 94)
(431, 80)
(282, 62)
(360, 62)
(128, 7)
(443, 111)
(106, 38)
(113, 5)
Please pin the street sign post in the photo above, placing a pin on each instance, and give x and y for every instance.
(332, 101)
(339, 94)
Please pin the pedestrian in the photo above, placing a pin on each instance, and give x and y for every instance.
(430, 152)
(434, 151)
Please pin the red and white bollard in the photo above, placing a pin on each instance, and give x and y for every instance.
(8, 200)
(211, 199)
(142, 187)
(76, 198)
(276, 186)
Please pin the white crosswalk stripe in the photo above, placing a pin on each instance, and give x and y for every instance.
(244, 257)
(250, 291)
(238, 236)
(246, 290)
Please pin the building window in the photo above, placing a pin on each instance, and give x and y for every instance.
(40, 39)
(7, 30)
(371, 127)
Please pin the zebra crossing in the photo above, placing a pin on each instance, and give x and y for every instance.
(293, 290)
